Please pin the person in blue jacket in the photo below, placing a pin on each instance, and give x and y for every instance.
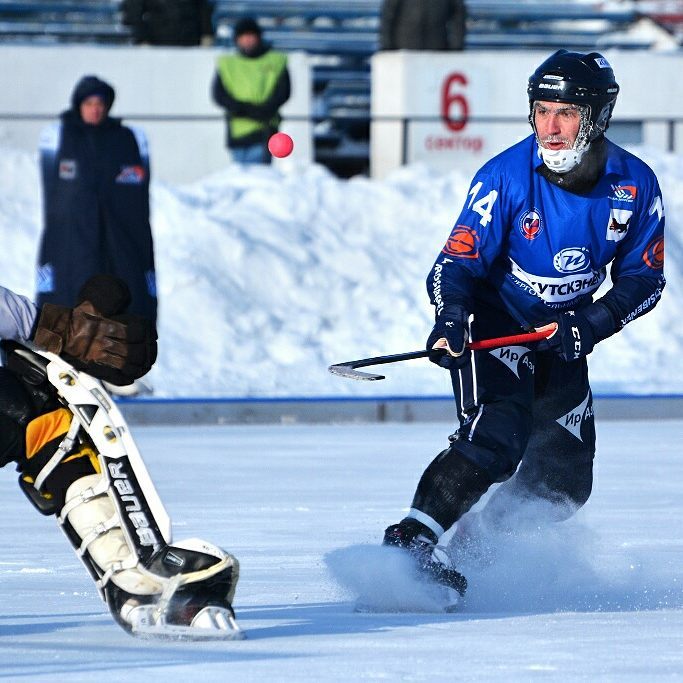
(542, 221)
(95, 181)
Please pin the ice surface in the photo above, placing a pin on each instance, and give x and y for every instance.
(597, 598)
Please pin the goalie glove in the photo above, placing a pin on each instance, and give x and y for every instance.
(118, 349)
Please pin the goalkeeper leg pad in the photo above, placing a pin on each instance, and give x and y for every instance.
(179, 591)
(83, 466)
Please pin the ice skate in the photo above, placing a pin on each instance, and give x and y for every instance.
(431, 562)
(421, 544)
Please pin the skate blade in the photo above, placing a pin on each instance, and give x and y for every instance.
(447, 604)
(383, 579)
(211, 623)
(187, 633)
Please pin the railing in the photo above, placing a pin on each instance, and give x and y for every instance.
(345, 149)
(621, 130)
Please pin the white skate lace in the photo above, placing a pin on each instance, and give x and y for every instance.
(440, 554)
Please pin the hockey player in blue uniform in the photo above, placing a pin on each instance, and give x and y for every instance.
(541, 223)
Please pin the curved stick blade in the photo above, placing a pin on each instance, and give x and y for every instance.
(344, 370)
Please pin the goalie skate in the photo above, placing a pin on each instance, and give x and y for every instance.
(117, 523)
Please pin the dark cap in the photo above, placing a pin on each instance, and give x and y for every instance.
(246, 25)
(90, 86)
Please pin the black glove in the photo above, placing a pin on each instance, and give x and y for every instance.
(118, 349)
(575, 337)
(579, 331)
(451, 325)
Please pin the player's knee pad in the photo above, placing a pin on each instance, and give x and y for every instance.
(523, 504)
(496, 437)
(561, 484)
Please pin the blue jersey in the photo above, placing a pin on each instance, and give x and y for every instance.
(534, 249)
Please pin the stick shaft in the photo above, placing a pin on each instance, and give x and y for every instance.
(347, 369)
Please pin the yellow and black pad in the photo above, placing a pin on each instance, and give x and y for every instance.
(55, 458)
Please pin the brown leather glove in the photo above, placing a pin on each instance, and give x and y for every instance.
(118, 349)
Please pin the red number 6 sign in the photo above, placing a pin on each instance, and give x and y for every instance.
(450, 98)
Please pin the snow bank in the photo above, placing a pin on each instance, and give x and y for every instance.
(268, 276)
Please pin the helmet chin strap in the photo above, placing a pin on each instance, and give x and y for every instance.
(562, 160)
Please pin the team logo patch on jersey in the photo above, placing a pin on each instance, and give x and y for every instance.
(531, 224)
(463, 242)
(68, 169)
(617, 227)
(571, 260)
(151, 280)
(654, 254)
(131, 175)
(624, 193)
(557, 292)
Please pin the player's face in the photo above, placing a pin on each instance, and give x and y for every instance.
(557, 124)
(93, 110)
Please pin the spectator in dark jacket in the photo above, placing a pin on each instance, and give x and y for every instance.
(169, 22)
(95, 180)
(422, 25)
(251, 85)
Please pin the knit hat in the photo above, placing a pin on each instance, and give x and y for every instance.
(246, 25)
(89, 86)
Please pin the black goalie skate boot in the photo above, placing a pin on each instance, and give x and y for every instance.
(420, 541)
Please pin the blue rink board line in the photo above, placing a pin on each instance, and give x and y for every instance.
(335, 409)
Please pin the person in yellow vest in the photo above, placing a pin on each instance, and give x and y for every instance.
(251, 85)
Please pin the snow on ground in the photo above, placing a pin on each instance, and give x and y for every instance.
(267, 276)
(597, 598)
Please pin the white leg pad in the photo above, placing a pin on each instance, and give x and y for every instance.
(110, 548)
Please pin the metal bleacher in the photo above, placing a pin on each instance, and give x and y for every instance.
(51, 21)
(346, 27)
(550, 24)
(350, 27)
